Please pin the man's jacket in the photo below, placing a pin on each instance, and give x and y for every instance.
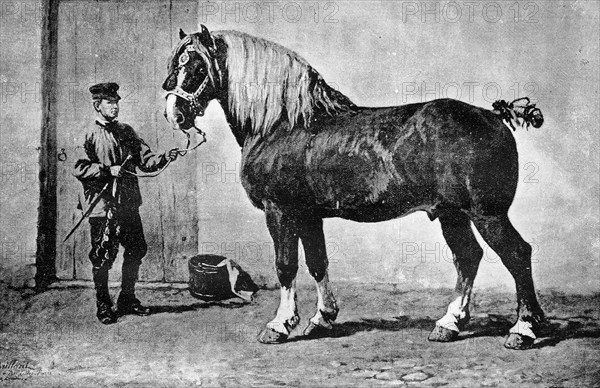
(106, 145)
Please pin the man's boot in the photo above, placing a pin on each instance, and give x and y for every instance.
(105, 313)
(127, 303)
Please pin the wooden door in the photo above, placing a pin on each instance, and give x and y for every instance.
(128, 43)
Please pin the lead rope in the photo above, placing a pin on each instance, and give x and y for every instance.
(180, 152)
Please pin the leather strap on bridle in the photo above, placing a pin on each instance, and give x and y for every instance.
(193, 98)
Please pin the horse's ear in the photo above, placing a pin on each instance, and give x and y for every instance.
(182, 34)
(206, 38)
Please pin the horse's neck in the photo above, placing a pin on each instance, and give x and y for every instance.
(243, 128)
(239, 132)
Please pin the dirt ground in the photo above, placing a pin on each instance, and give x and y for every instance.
(54, 340)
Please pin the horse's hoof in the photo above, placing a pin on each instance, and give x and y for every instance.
(330, 315)
(270, 336)
(316, 331)
(441, 334)
(518, 342)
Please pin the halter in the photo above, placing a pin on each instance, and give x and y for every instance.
(192, 98)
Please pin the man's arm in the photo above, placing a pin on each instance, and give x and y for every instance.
(90, 168)
(150, 161)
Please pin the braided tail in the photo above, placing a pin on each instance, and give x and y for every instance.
(521, 112)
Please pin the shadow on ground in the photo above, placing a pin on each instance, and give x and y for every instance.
(163, 309)
(552, 332)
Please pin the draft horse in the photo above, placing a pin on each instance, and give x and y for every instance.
(309, 153)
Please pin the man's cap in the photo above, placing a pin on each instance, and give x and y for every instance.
(106, 91)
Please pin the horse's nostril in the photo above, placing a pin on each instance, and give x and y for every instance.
(179, 118)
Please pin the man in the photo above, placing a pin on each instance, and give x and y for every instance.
(113, 151)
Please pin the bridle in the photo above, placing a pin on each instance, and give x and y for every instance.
(192, 98)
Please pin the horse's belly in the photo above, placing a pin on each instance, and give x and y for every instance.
(364, 188)
(378, 212)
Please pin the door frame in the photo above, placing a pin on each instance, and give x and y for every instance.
(47, 209)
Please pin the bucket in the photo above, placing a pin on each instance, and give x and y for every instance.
(209, 278)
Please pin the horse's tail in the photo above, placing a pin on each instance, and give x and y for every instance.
(521, 112)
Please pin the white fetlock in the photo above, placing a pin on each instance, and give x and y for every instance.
(326, 305)
(449, 322)
(523, 328)
(284, 327)
(287, 317)
(320, 321)
(278, 327)
(455, 314)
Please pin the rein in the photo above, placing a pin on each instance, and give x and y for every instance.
(180, 152)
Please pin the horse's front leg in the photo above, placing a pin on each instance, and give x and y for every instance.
(283, 228)
(313, 241)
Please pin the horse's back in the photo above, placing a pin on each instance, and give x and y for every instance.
(442, 153)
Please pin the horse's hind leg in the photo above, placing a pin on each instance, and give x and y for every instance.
(515, 253)
(456, 227)
(283, 229)
(313, 241)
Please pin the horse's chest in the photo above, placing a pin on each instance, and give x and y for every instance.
(275, 170)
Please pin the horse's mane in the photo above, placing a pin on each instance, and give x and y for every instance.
(267, 80)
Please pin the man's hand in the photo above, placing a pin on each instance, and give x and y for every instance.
(173, 154)
(116, 171)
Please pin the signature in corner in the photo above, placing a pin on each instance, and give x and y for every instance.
(16, 369)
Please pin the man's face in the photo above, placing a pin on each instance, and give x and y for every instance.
(109, 109)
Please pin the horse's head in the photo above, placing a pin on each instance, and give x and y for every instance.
(194, 78)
